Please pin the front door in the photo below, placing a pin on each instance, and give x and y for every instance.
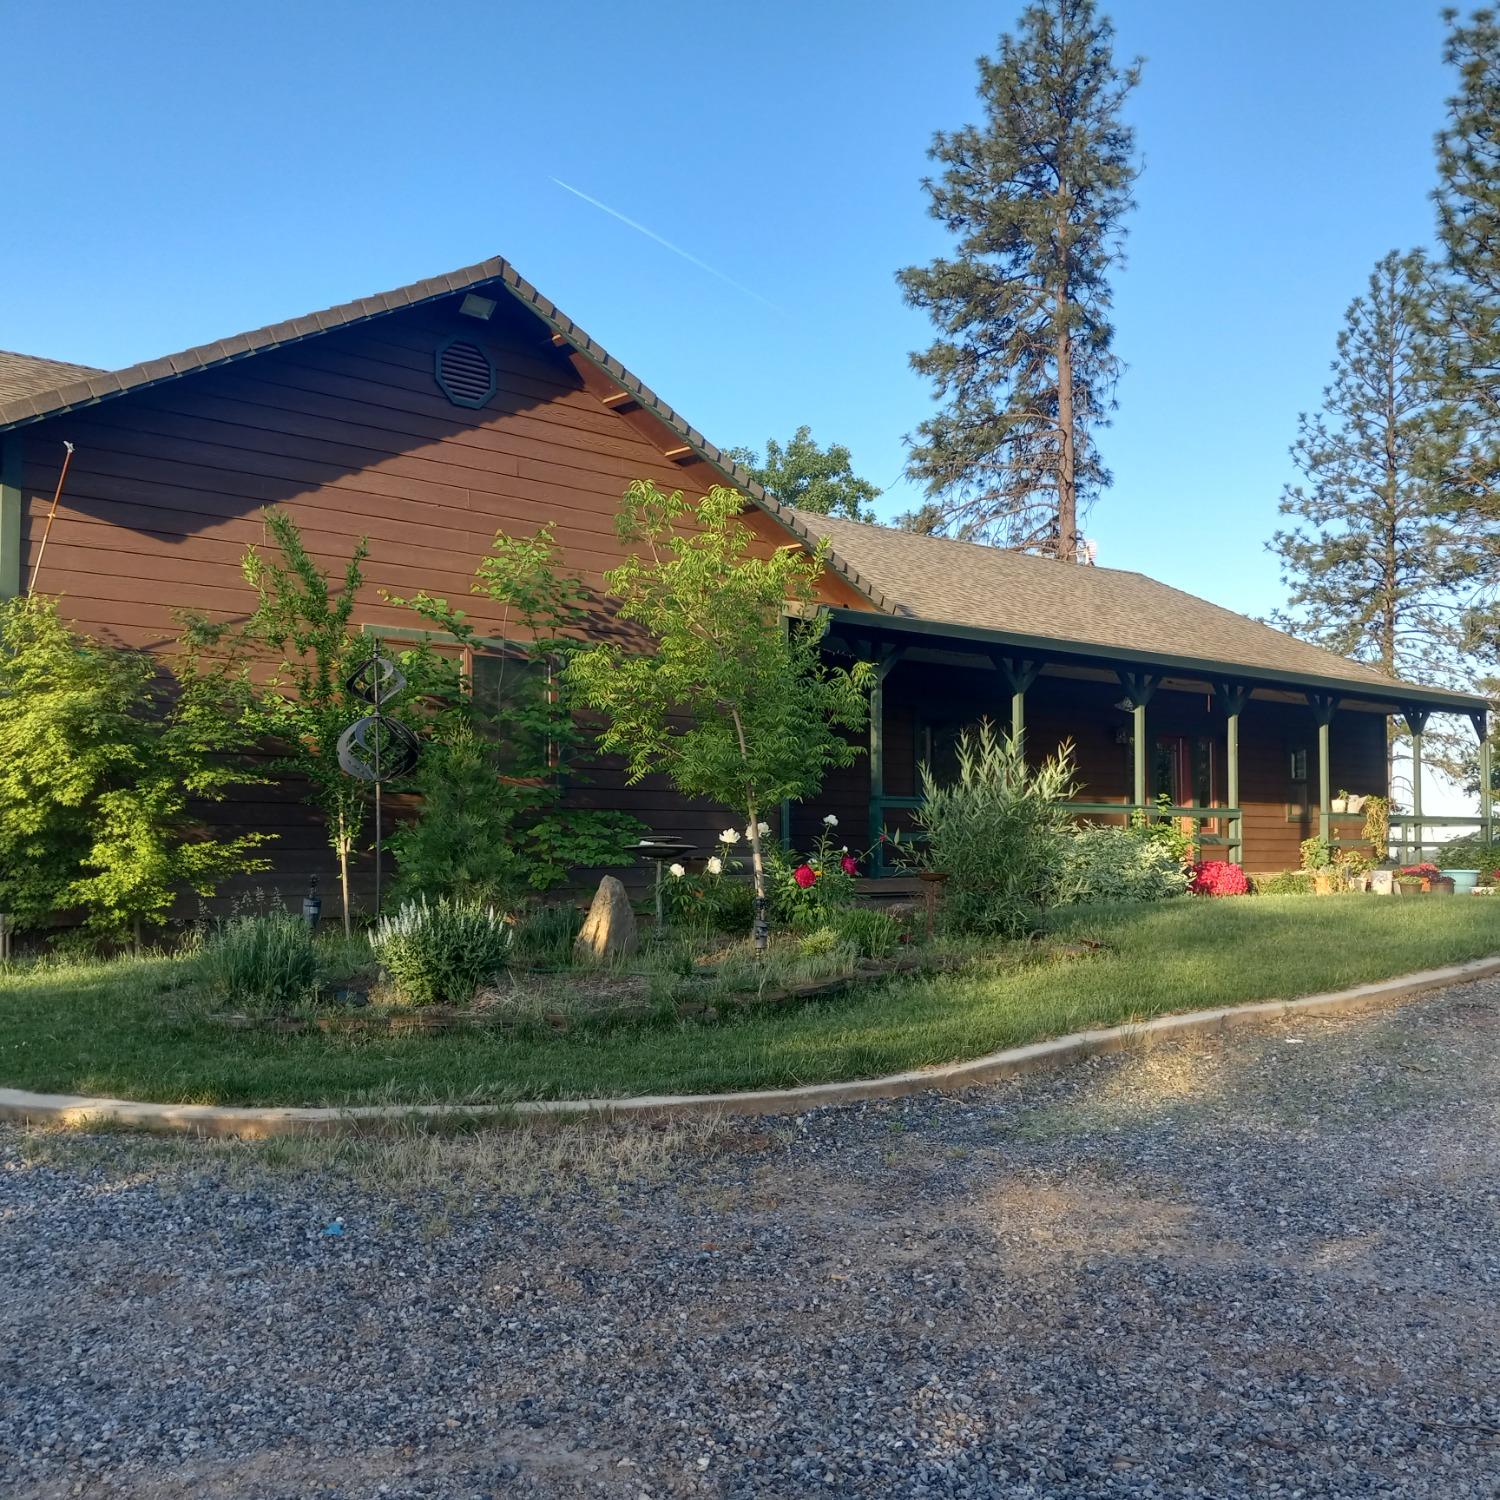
(1183, 770)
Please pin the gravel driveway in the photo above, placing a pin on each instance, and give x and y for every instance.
(1260, 1266)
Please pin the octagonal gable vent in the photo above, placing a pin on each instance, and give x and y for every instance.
(464, 373)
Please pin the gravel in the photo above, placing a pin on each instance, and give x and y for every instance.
(1262, 1265)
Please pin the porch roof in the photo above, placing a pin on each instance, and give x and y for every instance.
(939, 589)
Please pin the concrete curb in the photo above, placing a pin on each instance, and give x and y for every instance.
(78, 1110)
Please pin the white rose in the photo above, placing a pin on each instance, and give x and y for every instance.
(676, 871)
(830, 821)
(730, 836)
(716, 866)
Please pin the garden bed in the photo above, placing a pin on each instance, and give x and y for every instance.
(116, 1029)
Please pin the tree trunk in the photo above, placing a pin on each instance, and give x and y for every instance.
(1067, 482)
(135, 933)
(760, 930)
(342, 848)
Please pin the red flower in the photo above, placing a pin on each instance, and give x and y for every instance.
(849, 865)
(805, 876)
(1217, 877)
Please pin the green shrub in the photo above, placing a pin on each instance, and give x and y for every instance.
(440, 953)
(998, 833)
(1165, 832)
(1118, 864)
(876, 934)
(547, 934)
(1285, 883)
(713, 900)
(265, 963)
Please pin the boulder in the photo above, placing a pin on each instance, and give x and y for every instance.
(609, 929)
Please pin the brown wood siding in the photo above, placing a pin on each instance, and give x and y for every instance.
(351, 434)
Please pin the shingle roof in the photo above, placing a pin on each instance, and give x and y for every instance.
(967, 584)
(29, 374)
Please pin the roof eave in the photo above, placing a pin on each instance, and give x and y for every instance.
(1399, 695)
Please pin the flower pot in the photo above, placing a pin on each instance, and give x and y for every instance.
(1441, 885)
(1357, 804)
(1325, 885)
(1411, 887)
(1338, 804)
(1464, 881)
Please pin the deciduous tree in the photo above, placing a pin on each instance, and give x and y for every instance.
(810, 477)
(731, 702)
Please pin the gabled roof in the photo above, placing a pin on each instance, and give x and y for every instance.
(1104, 610)
(26, 374)
(71, 386)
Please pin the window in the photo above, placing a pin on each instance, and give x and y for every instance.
(512, 690)
(464, 373)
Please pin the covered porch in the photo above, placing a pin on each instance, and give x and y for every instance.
(1253, 757)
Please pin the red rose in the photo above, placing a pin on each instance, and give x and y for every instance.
(804, 875)
(849, 865)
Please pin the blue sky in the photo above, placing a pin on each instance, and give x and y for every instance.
(178, 172)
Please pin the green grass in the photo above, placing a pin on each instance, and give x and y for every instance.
(115, 1029)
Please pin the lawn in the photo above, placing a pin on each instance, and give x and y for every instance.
(115, 1028)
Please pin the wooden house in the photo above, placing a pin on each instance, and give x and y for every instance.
(430, 417)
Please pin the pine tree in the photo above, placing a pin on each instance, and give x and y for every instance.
(810, 477)
(1374, 570)
(1468, 204)
(1023, 362)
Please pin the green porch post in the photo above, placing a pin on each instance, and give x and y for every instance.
(887, 659)
(1324, 706)
(1481, 723)
(1019, 673)
(10, 516)
(1233, 696)
(1416, 722)
(1139, 686)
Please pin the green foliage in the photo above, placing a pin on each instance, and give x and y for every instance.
(1316, 854)
(731, 704)
(1285, 883)
(546, 934)
(799, 903)
(1166, 833)
(1374, 568)
(874, 934)
(105, 755)
(1469, 852)
(306, 706)
(715, 899)
(1034, 198)
(265, 964)
(440, 952)
(998, 833)
(1377, 829)
(811, 478)
(1118, 864)
(502, 745)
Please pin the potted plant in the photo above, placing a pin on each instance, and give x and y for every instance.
(1340, 804)
(1317, 860)
(1422, 879)
(1355, 865)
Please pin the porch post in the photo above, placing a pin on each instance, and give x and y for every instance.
(1019, 673)
(11, 519)
(887, 659)
(1416, 722)
(1233, 695)
(1324, 706)
(1139, 686)
(1481, 724)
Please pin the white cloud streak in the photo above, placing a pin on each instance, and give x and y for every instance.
(665, 243)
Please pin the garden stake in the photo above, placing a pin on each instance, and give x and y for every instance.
(51, 517)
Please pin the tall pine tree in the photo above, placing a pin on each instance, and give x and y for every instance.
(1023, 364)
(1373, 567)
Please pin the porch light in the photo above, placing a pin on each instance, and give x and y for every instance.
(475, 306)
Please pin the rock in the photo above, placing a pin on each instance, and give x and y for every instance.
(609, 929)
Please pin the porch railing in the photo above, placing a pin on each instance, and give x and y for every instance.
(1231, 839)
(1408, 841)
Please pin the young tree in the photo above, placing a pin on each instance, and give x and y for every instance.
(103, 756)
(810, 477)
(307, 705)
(1373, 568)
(499, 752)
(1023, 363)
(731, 703)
